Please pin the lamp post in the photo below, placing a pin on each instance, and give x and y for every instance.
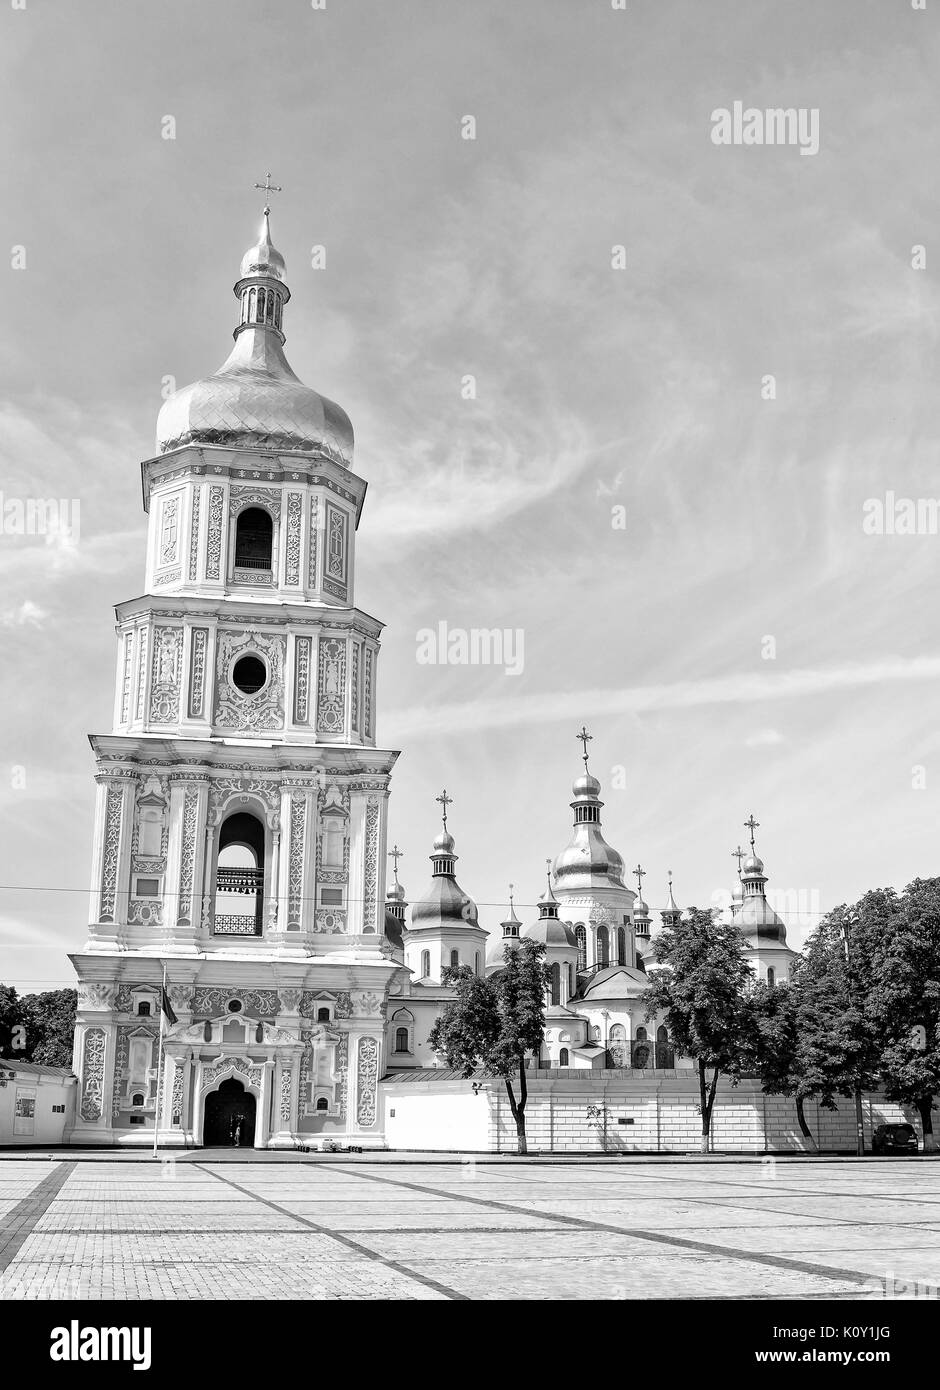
(845, 931)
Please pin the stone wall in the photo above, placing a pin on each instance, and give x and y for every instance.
(635, 1114)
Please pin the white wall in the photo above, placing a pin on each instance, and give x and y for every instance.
(452, 1119)
(44, 1126)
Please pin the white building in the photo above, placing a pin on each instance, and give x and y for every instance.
(242, 802)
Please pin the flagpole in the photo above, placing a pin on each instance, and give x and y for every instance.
(156, 1113)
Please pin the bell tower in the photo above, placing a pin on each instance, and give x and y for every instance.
(240, 835)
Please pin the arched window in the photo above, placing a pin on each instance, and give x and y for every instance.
(425, 964)
(323, 1015)
(563, 1057)
(401, 1039)
(603, 946)
(137, 1098)
(641, 1034)
(322, 1103)
(580, 936)
(771, 976)
(143, 1008)
(454, 959)
(621, 946)
(665, 1052)
(617, 1045)
(239, 876)
(476, 962)
(254, 538)
(555, 977)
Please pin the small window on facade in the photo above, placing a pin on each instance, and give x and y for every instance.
(322, 1103)
(143, 1008)
(476, 962)
(425, 964)
(148, 887)
(137, 1119)
(771, 976)
(455, 958)
(137, 1098)
(563, 1057)
(333, 896)
(323, 1015)
(249, 674)
(234, 1006)
(401, 1040)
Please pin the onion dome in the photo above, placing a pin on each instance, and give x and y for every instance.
(395, 905)
(547, 928)
(587, 861)
(753, 915)
(445, 902)
(510, 937)
(672, 912)
(255, 401)
(641, 913)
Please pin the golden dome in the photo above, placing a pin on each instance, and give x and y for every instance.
(255, 400)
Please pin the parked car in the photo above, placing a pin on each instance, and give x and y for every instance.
(893, 1139)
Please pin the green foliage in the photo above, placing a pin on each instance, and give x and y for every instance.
(47, 1020)
(494, 1022)
(699, 984)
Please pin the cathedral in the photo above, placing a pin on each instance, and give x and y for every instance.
(238, 908)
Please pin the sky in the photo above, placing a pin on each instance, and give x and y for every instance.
(681, 549)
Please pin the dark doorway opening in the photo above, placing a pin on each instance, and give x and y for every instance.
(230, 1117)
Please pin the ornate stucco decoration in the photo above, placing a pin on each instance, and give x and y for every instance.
(263, 710)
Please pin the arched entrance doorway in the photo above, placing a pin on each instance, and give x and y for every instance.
(229, 1117)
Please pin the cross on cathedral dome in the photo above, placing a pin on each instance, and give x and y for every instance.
(255, 400)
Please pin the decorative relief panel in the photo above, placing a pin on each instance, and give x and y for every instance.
(145, 912)
(314, 537)
(367, 712)
(302, 648)
(371, 865)
(165, 675)
(194, 538)
(287, 1078)
(290, 1000)
(93, 1046)
(268, 498)
(336, 543)
(214, 543)
(222, 789)
(169, 530)
(295, 868)
(294, 511)
(197, 677)
(259, 1003)
(342, 1071)
(188, 856)
(176, 1105)
(367, 1075)
(354, 693)
(250, 713)
(112, 844)
(126, 668)
(331, 686)
(141, 671)
(249, 1070)
(94, 994)
(120, 1067)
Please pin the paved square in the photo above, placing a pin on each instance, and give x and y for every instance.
(381, 1227)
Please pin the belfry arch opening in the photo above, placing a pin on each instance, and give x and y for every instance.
(254, 539)
(239, 876)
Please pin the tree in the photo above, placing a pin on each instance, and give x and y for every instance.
(904, 994)
(776, 1010)
(12, 1025)
(50, 1026)
(494, 1023)
(700, 989)
(837, 1052)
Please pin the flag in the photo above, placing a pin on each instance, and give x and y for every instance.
(165, 1004)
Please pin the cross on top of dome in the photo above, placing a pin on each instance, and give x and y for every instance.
(268, 188)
